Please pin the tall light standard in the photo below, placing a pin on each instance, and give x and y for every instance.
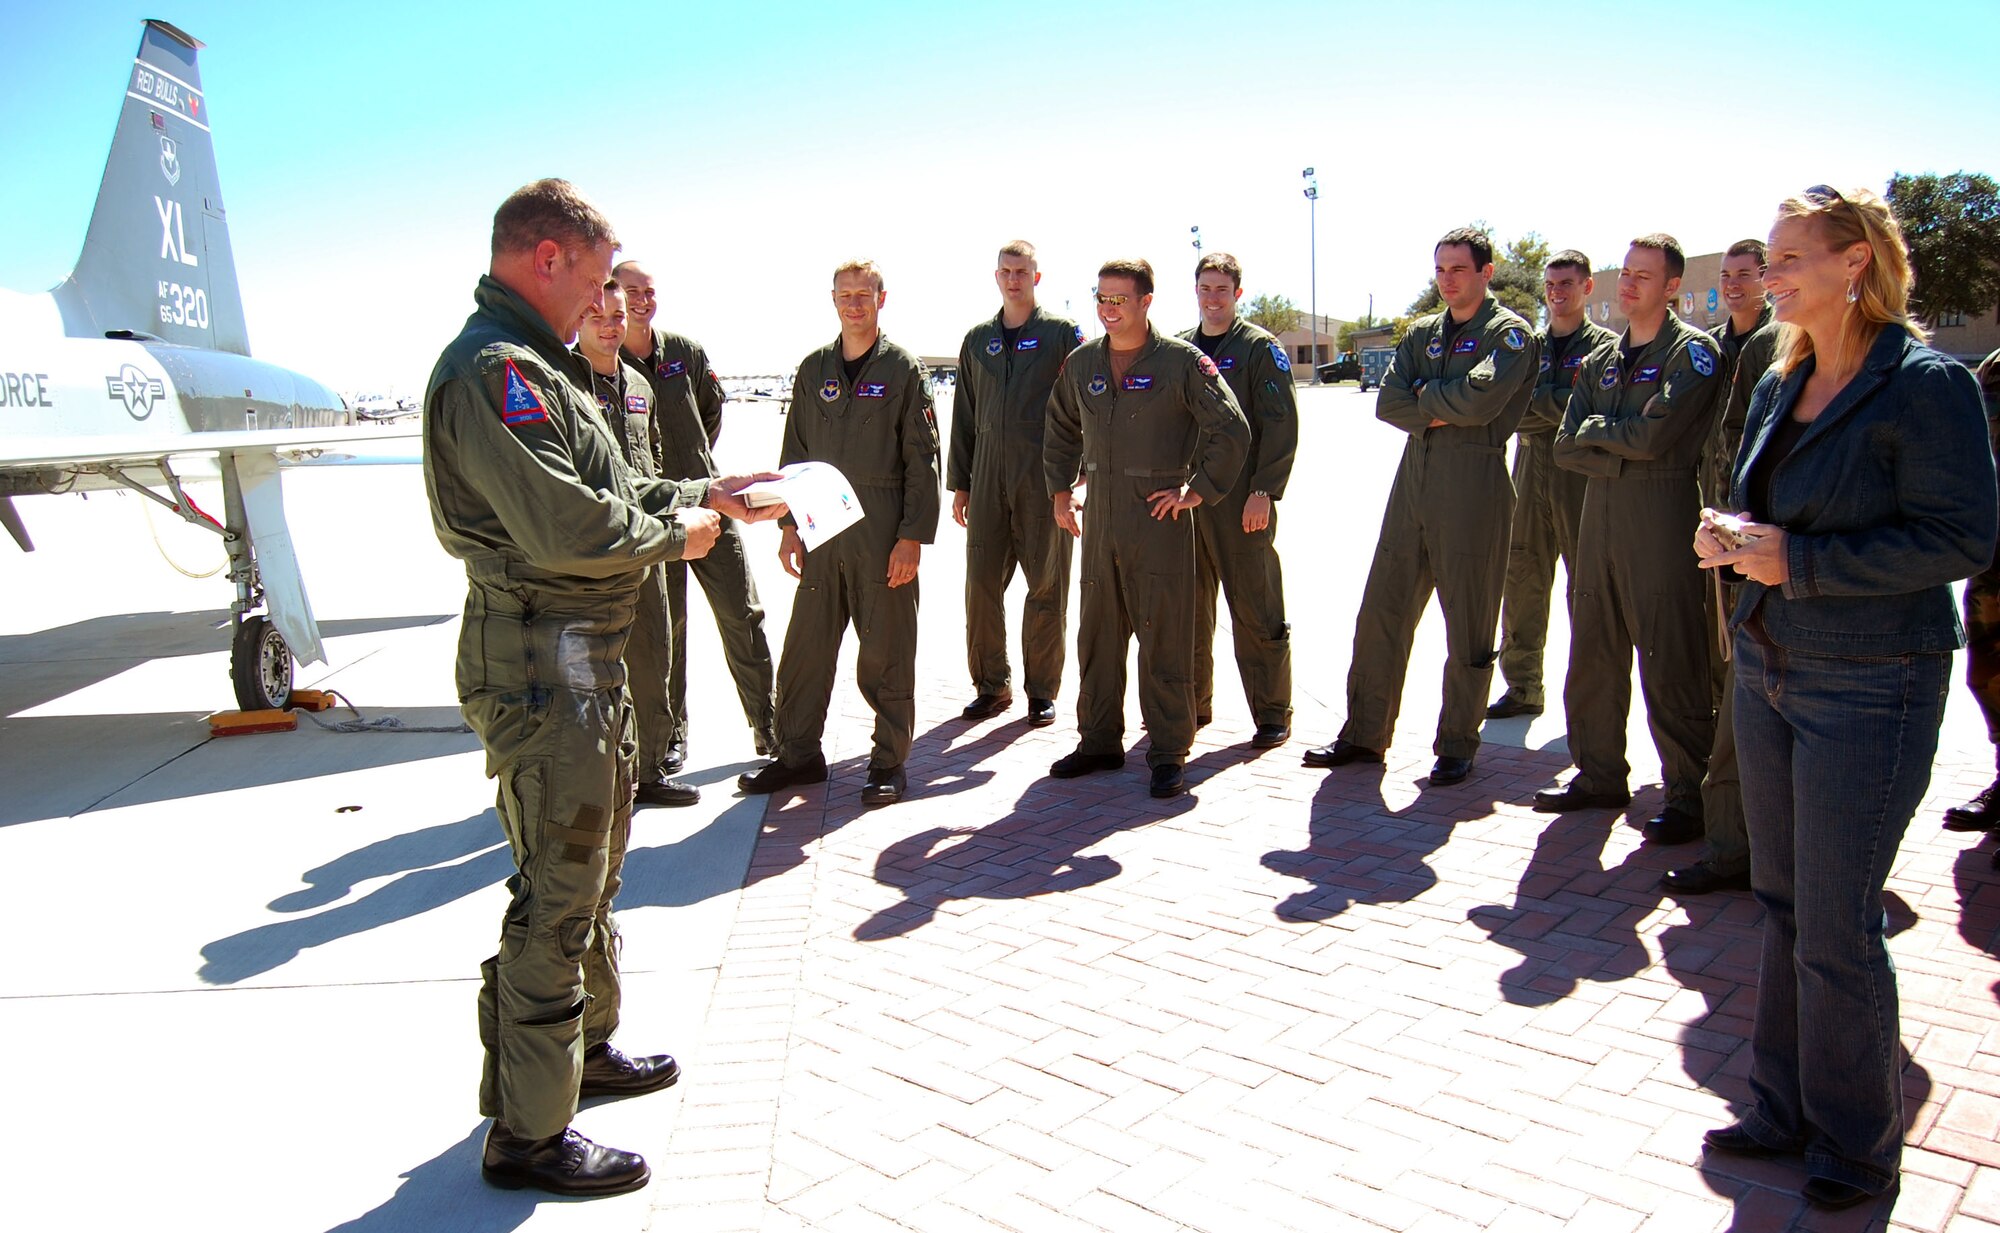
(1312, 230)
(1196, 231)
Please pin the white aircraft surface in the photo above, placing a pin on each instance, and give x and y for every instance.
(135, 371)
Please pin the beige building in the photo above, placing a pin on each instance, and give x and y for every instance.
(1967, 336)
(1298, 344)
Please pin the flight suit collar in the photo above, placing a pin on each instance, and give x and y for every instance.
(1730, 338)
(1670, 333)
(837, 354)
(1487, 306)
(498, 301)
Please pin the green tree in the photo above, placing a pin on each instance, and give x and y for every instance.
(1275, 313)
(1952, 224)
(1347, 332)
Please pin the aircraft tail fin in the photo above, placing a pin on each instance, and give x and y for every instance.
(156, 260)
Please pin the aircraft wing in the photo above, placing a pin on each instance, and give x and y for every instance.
(286, 444)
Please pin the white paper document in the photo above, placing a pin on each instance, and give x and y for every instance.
(823, 503)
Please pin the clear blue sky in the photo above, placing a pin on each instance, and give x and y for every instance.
(744, 149)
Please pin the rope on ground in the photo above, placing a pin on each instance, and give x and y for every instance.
(387, 723)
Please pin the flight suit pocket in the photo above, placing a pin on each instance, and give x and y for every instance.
(523, 804)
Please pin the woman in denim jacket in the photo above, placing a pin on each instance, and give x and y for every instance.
(1866, 489)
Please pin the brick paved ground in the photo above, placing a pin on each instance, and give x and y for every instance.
(1286, 1001)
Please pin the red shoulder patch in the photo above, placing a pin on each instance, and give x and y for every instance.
(1207, 366)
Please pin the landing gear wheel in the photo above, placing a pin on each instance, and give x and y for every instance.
(260, 665)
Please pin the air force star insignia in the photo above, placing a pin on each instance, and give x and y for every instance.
(1514, 339)
(1097, 384)
(1435, 348)
(830, 390)
(1704, 359)
(992, 346)
(1279, 358)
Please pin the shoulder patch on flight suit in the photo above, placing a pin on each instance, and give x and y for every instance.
(1435, 348)
(1097, 384)
(992, 346)
(1704, 359)
(521, 406)
(673, 368)
(1207, 366)
(829, 391)
(1514, 339)
(1079, 336)
(1279, 358)
(1610, 377)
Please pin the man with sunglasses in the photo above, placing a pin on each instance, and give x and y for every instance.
(1146, 423)
(1458, 386)
(687, 419)
(1006, 367)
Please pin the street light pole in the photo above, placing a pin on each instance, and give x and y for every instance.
(1312, 231)
(1196, 230)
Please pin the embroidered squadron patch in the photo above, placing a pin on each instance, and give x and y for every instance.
(1028, 344)
(1079, 336)
(604, 403)
(1097, 385)
(1545, 363)
(1136, 382)
(1207, 366)
(674, 368)
(1227, 363)
(635, 404)
(1704, 359)
(993, 346)
(831, 390)
(872, 389)
(520, 405)
(1514, 339)
(1279, 358)
(1465, 346)
(1609, 379)
(1435, 348)
(1649, 375)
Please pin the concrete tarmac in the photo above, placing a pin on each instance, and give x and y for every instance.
(241, 993)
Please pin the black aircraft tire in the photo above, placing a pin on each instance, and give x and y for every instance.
(260, 665)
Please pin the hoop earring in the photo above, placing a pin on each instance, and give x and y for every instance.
(1853, 292)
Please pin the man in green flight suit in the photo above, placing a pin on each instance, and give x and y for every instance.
(1458, 386)
(1548, 501)
(1006, 367)
(528, 488)
(1636, 422)
(1748, 341)
(687, 419)
(863, 404)
(1236, 539)
(1982, 639)
(1147, 424)
(627, 403)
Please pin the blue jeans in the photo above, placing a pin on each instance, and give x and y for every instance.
(1835, 755)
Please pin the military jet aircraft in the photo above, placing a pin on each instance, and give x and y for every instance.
(135, 371)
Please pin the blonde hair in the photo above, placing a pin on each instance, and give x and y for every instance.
(1881, 293)
(859, 266)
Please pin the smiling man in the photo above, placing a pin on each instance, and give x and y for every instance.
(1006, 368)
(1458, 386)
(1636, 423)
(1236, 539)
(861, 403)
(1146, 424)
(1548, 501)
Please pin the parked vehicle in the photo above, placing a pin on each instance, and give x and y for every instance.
(1343, 368)
(1375, 365)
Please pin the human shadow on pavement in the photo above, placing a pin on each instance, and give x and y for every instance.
(1572, 919)
(427, 886)
(1036, 849)
(1978, 886)
(694, 868)
(1361, 851)
(445, 1195)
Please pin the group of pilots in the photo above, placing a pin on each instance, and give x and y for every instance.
(568, 461)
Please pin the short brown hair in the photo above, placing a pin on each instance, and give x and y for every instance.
(1138, 269)
(1669, 248)
(1018, 248)
(859, 265)
(1749, 248)
(1473, 238)
(1570, 259)
(549, 210)
(1221, 263)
